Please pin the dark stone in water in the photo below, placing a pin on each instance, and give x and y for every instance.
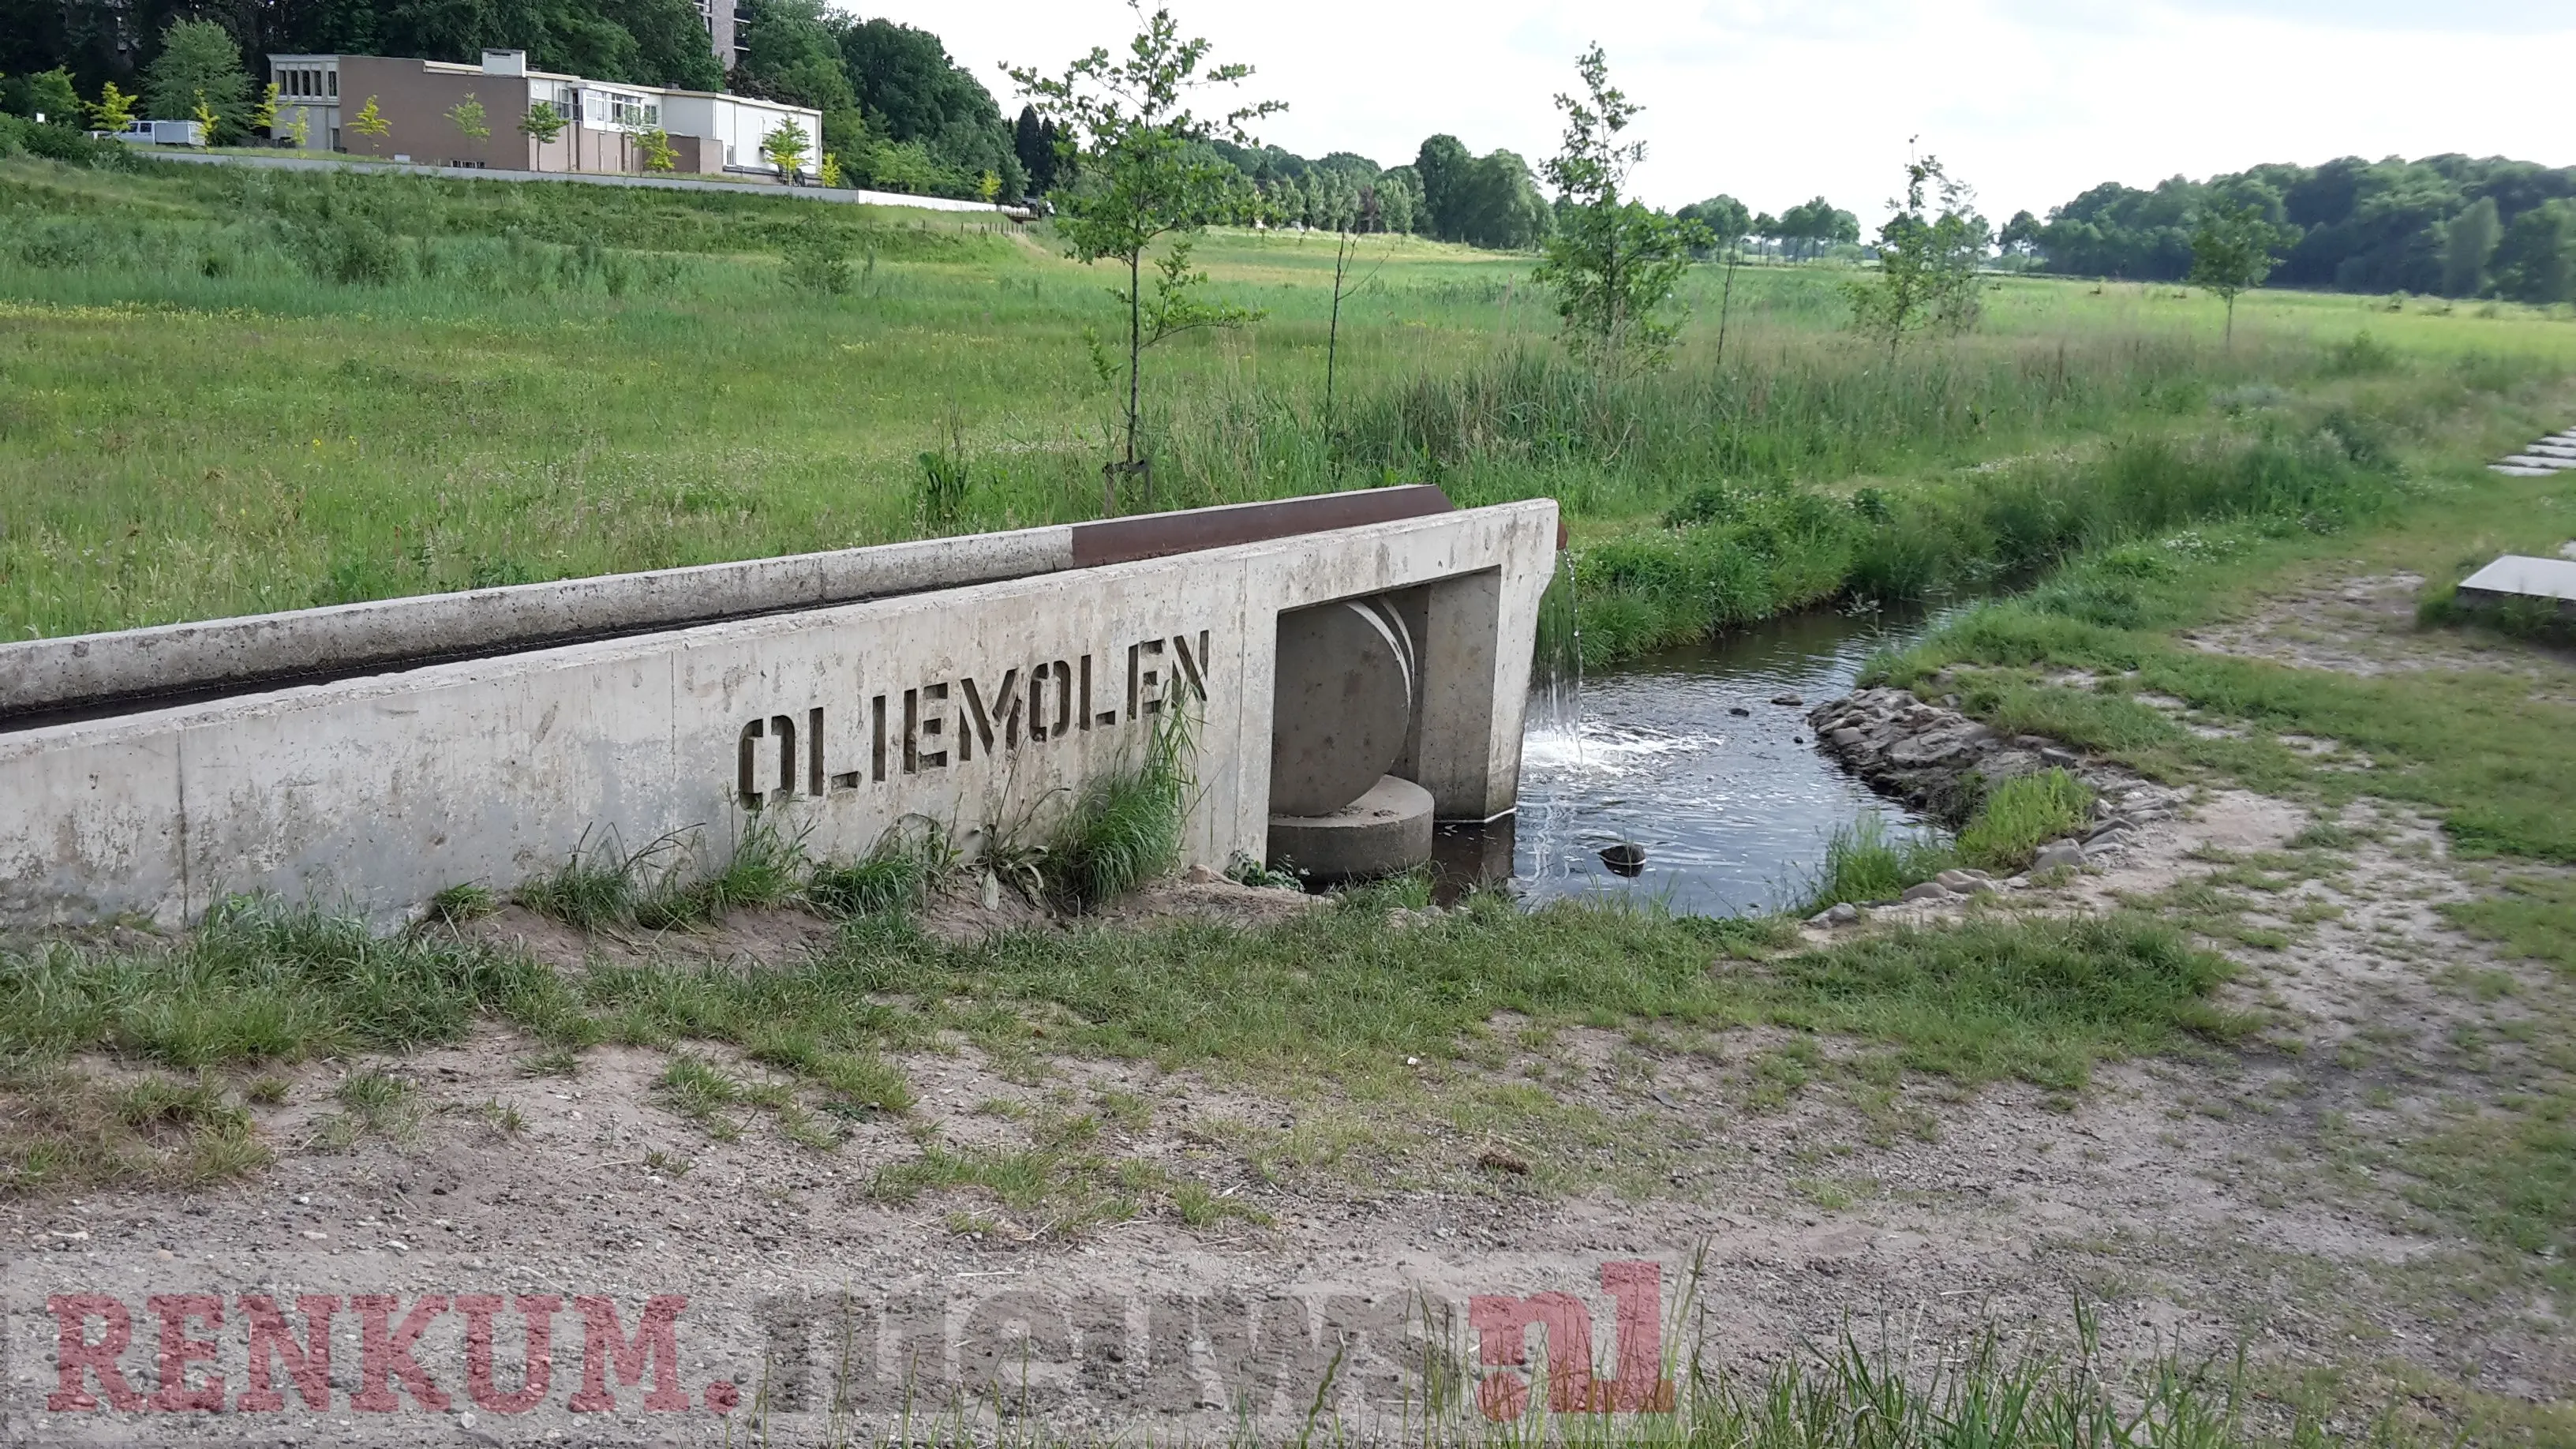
(1739, 711)
(1788, 699)
(1624, 859)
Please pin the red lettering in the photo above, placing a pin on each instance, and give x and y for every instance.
(604, 1340)
(178, 1350)
(1641, 1387)
(75, 1356)
(1502, 1342)
(478, 1309)
(386, 1353)
(308, 1367)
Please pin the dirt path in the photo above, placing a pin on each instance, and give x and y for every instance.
(2231, 1196)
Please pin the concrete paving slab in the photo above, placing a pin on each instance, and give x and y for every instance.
(2521, 576)
(2513, 471)
(2535, 460)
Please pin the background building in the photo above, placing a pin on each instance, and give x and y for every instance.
(428, 105)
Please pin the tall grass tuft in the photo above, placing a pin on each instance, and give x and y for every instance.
(596, 886)
(766, 867)
(2020, 815)
(894, 877)
(1867, 861)
(1125, 829)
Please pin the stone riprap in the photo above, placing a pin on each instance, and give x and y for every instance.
(985, 706)
(1940, 761)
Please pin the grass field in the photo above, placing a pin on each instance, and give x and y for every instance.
(229, 391)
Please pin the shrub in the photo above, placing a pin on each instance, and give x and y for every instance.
(817, 261)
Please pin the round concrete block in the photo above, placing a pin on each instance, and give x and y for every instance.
(1385, 830)
(1346, 687)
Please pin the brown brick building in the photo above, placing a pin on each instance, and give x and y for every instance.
(427, 104)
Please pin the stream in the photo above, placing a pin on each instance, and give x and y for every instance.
(1684, 755)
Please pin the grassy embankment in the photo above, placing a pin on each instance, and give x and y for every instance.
(230, 391)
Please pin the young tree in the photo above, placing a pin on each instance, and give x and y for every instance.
(660, 156)
(785, 148)
(2231, 250)
(1144, 175)
(1612, 261)
(2469, 243)
(114, 110)
(827, 171)
(1927, 263)
(370, 121)
(261, 118)
(470, 118)
(199, 69)
(542, 124)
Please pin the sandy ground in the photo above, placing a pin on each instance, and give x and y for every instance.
(2205, 1200)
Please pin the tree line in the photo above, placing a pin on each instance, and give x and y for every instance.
(898, 113)
(2452, 226)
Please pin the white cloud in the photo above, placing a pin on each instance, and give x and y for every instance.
(1775, 101)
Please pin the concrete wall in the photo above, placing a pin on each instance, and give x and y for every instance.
(376, 792)
(842, 196)
(415, 100)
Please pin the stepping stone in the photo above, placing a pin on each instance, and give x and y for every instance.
(2511, 471)
(2530, 460)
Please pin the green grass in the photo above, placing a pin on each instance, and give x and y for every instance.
(258, 982)
(1125, 828)
(1868, 861)
(2022, 814)
(2530, 915)
(1333, 999)
(420, 426)
(2482, 739)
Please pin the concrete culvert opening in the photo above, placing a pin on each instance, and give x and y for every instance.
(1345, 708)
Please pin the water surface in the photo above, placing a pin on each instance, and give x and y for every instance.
(1684, 754)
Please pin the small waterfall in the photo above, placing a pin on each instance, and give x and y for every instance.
(1560, 651)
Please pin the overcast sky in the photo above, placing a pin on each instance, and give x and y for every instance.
(1774, 101)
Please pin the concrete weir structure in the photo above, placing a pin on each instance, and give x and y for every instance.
(366, 756)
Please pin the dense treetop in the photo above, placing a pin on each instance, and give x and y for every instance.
(2448, 225)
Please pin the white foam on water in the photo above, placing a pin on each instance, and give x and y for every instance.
(1591, 748)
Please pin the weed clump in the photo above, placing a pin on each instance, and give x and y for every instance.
(1868, 861)
(893, 878)
(2020, 815)
(1126, 827)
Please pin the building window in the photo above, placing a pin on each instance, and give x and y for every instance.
(331, 82)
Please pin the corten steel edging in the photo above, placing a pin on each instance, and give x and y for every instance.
(1153, 535)
(57, 681)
